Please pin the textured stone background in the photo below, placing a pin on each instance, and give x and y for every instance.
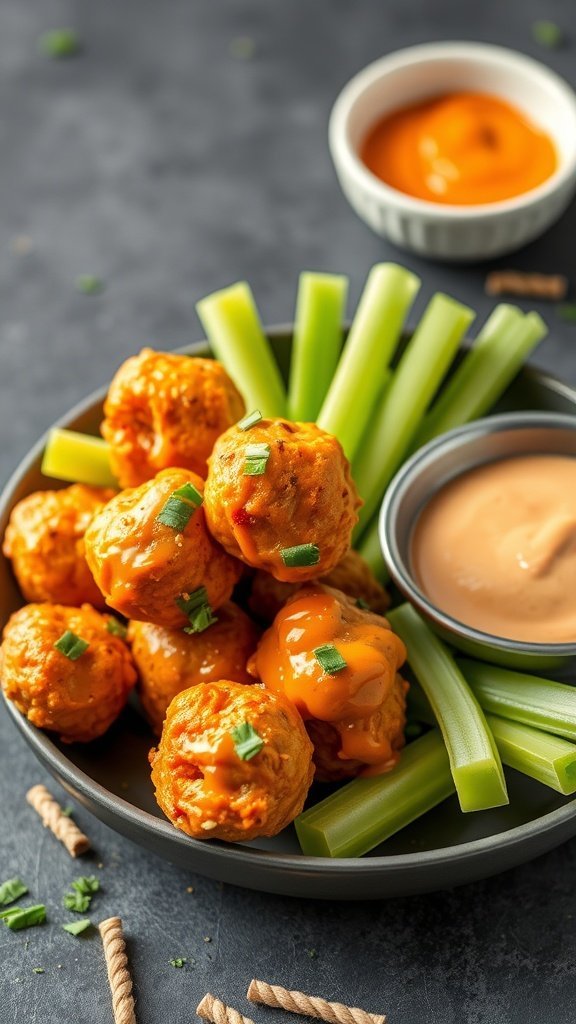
(167, 166)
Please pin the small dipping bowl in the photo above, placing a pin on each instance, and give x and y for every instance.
(438, 230)
(423, 475)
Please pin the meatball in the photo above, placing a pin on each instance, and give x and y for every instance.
(169, 661)
(339, 665)
(77, 696)
(303, 494)
(166, 410)
(152, 571)
(45, 541)
(211, 785)
(352, 575)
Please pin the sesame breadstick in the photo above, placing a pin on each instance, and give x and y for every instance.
(59, 823)
(310, 1006)
(118, 973)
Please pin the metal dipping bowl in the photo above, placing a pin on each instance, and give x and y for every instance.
(423, 475)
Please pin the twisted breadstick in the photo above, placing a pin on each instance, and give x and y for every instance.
(53, 818)
(213, 1009)
(533, 286)
(118, 973)
(310, 1006)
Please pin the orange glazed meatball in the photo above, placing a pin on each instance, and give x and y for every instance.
(45, 540)
(169, 661)
(302, 494)
(166, 410)
(352, 575)
(234, 762)
(156, 572)
(77, 694)
(339, 666)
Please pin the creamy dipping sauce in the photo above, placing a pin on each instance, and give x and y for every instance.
(496, 549)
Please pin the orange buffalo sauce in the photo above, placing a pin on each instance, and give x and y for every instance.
(496, 548)
(464, 148)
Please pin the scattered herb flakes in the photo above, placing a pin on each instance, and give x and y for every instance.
(242, 47)
(71, 646)
(548, 34)
(86, 884)
(250, 420)
(88, 284)
(116, 628)
(77, 927)
(256, 456)
(567, 311)
(16, 918)
(79, 898)
(313, 954)
(60, 43)
(300, 555)
(247, 742)
(12, 890)
(38, 970)
(68, 811)
(179, 961)
(180, 507)
(330, 659)
(197, 610)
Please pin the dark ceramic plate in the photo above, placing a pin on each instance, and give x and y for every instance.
(444, 848)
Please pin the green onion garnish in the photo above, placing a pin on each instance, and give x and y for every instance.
(23, 917)
(60, 43)
(80, 896)
(247, 742)
(88, 284)
(178, 961)
(116, 628)
(301, 555)
(38, 970)
(197, 610)
(180, 507)
(250, 420)
(12, 890)
(329, 657)
(71, 646)
(77, 927)
(547, 33)
(257, 456)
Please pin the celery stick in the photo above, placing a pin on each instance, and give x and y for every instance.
(543, 703)
(233, 328)
(367, 811)
(474, 760)
(548, 759)
(372, 340)
(78, 458)
(420, 370)
(503, 345)
(371, 552)
(318, 337)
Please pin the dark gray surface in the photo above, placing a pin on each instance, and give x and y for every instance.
(167, 166)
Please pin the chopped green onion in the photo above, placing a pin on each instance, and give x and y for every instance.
(367, 811)
(233, 328)
(178, 961)
(88, 284)
(60, 43)
(17, 918)
(78, 458)
(116, 628)
(503, 345)
(38, 970)
(474, 759)
(542, 703)
(372, 340)
(80, 896)
(420, 371)
(300, 555)
(77, 927)
(250, 420)
(567, 311)
(247, 742)
(86, 884)
(180, 507)
(68, 811)
(329, 657)
(256, 456)
(547, 33)
(317, 342)
(12, 890)
(71, 646)
(197, 610)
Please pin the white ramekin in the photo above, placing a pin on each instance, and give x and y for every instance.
(434, 229)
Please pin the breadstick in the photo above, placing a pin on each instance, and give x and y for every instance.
(213, 1009)
(118, 973)
(59, 823)
(310, 1006)
(532, 286)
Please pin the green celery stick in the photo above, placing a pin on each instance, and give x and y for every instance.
(372, 340)
(78, 458)
(371, 552)
(505, 342)
(474, 759)
(420, 371)
(543, 703)
(367, 811)
(318, 337)
(230, 319)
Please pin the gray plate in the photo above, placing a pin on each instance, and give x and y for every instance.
(444, 848)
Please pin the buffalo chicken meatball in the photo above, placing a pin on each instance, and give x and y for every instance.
(169, 660)
(276, 489)
(65, 670)
(339, 666)
(166, 410)
(152, 555)
(234, 762)
(352, 575)
(45, 541)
